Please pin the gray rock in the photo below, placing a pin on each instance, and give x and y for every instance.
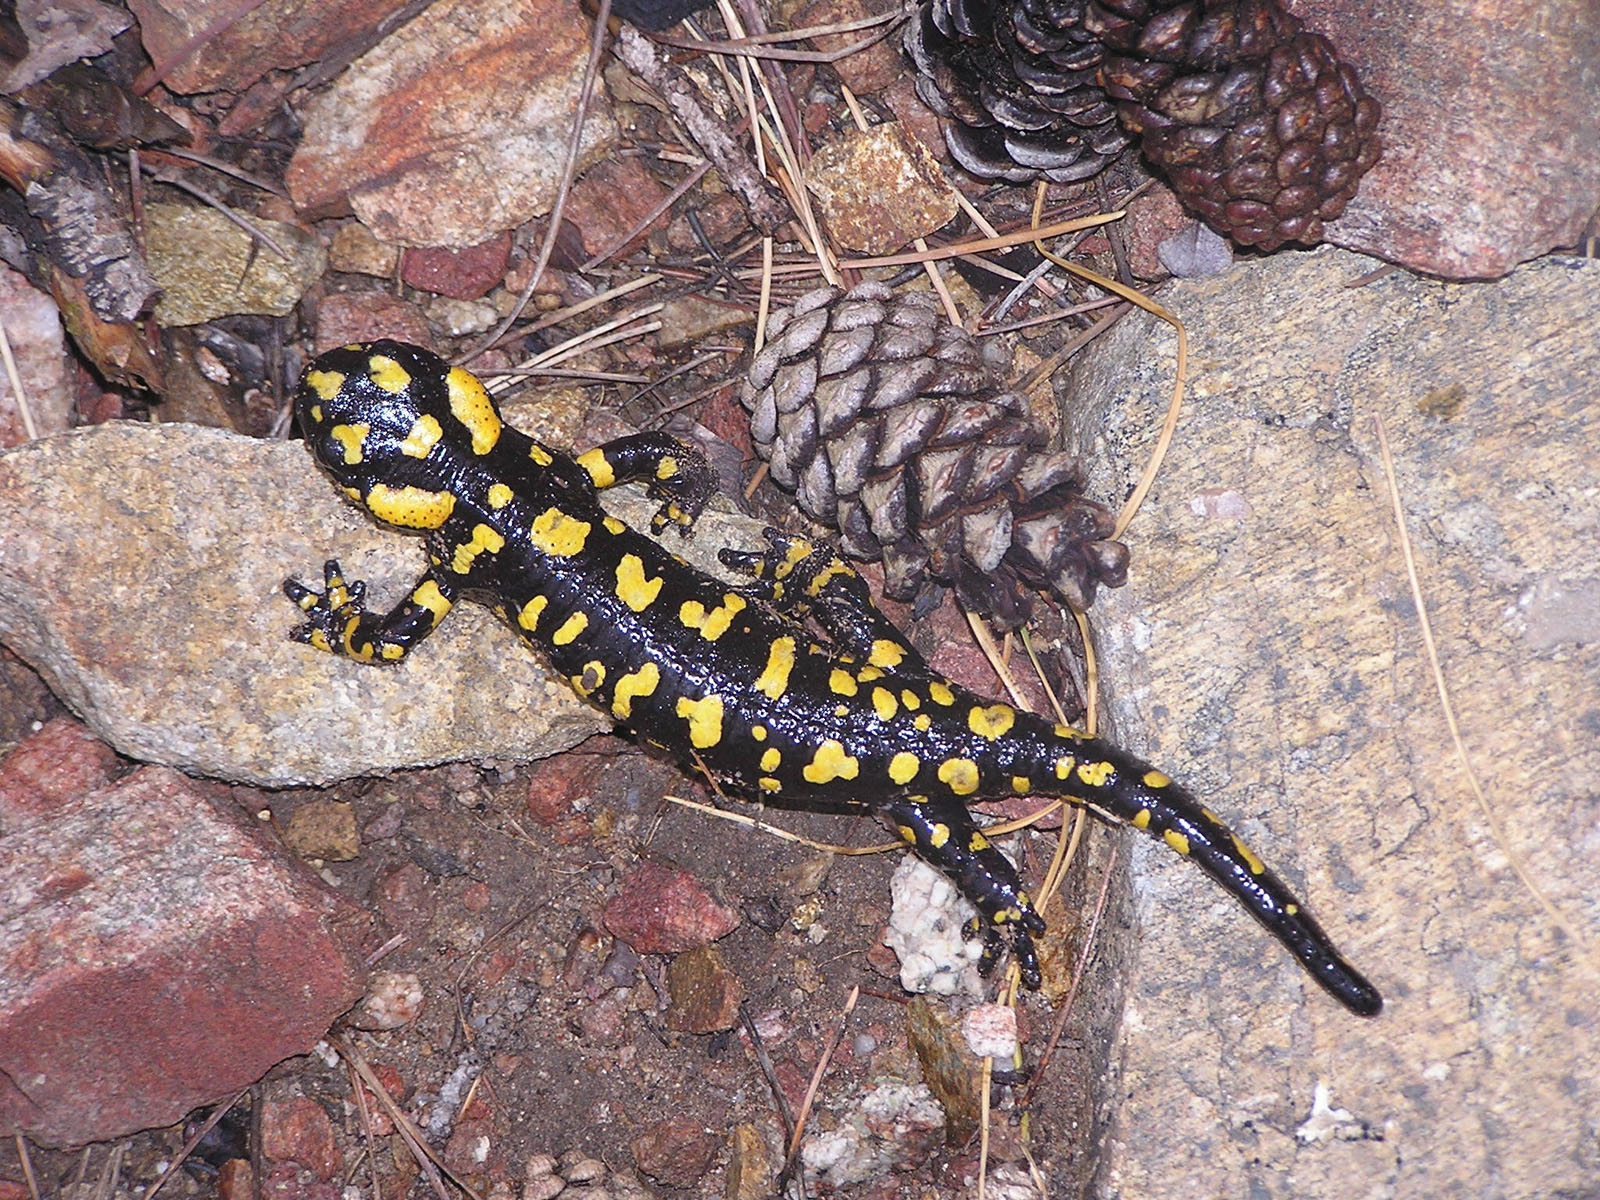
(140, 568)
(210, 267)
(1266, 650)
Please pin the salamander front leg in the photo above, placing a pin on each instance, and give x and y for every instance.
(943, 833)
(678, 474)
(337, 620)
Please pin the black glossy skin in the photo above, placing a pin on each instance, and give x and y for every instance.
(725, 679)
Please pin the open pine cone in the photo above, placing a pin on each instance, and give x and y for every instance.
(889, 424)
(1254, 120)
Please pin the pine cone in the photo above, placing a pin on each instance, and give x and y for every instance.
(1255, 121)
(1021, 82)
(889, 424)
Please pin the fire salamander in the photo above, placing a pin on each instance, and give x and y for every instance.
(726, 679)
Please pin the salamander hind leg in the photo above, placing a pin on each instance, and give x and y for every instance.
(679, 475)
(803, 578)
(942, 832)
(338, 622)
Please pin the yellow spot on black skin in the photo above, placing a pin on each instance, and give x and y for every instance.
(388, 374)
(528, 618)
(923, 722)
(938, 834)
(991, 722)
(774, 678)
(642, 682)
(770, 758)
(768, 784)
(471, 405)
(977, 842)
(841, 683)
(325, 384)
(907, 833)
(1155, 779)
(557, 534)
(759, 732)
(1176, 840)
(1021, 785)
(886, 654)
(939, 692)
(715, 623)
(599, 469)
(830, 762)
(540, 455)
(868, 674)
(424, 435)
(960, 775)
(667, 468)
(705, 720)
(910, 699)
(1096, 774)
(483, 539)
(500, 495)
(350, 437)
(612, 525)
(1141, 819)
(884, 704)
(570, 629)
(431, 598)
(637, 592)
(1064, 767)
(1250, 860)
(903, 767)
(409, 507)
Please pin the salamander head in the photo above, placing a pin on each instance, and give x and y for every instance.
(386, 418)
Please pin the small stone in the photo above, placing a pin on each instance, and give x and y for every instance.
(393, 999)
(469, 273)
(658, 910)
(298, 1130)
(583, 1169)
(209, 267)
(676, 1151)
(356, 249)
(880, 188)
(948, 1067)
(611, 199)
(51, 768)
(991, 1031)
(752, 1165)
(704, 994)
(323, 829)
(345, 318)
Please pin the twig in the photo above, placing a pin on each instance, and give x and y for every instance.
(192, 1141)
(767, 211)
(17, 390)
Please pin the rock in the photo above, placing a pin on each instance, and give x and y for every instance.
(705, 994)
(1266, 651)
(323, 830)
(866, 71)
(455, 127)
(157, 953)
(611, 199)
(56, 34)
(213, 55)
(677, 1151)
(209, 267)
(926, 918)
(889, 1126)
(950, 1069)
(353, 248)
(393, 999)
(346, 317)
(658, 910)
(1491, 154)
(298, 1130)
(51, 769)
(880, 188)
(465, 274)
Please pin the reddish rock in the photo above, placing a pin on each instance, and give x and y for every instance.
(346, 317)
(214, 52)
(52, 768)
(406, 899)
(677, 1151)
(610, 200)
(866, 71)
(291, 1181)
(236, 1180)
(705, 995)
(1491, 153)
(722, 219)
(466, 274)
(658, 910)
(157, 953)
(453, 127)
(1152, 218)
(298, 1130)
